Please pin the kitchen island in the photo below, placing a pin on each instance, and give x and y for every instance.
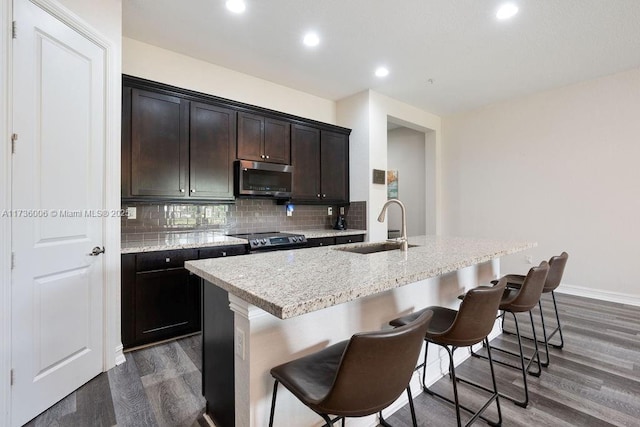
(263, 310)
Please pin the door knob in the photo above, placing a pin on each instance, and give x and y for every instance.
(97, 251)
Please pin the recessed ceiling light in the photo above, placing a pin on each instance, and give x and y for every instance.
(506, 11)
(311, 39)
(382, 72)
(236, 6)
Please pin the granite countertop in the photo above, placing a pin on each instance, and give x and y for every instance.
(168, 240)
(294, 282)
(162, 241)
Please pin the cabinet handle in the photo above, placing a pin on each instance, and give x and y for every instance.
(167, 260)
(266, 157)
(182, 190)
(324, 195)
(318, 196)
(193, 190)
(224, 254)
(262, 156)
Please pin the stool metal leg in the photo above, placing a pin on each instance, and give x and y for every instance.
(547, 337)
(524, 368)
(273, 402)
(384, 423)
(475, 414)
(559, 327)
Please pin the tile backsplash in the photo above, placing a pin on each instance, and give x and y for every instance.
(243, 216)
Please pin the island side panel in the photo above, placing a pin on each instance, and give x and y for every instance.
(218, 355)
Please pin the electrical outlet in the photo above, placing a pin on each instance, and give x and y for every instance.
(341, 210)
(240, 343)
(329, 211)
(131, 212)
(528, 259)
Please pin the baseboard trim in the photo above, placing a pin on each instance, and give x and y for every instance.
(120, 359)
(581, 291)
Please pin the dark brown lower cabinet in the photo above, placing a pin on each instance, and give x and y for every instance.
(160, 298)
(166, 304)
(339, 240)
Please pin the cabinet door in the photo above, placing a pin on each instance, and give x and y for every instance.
(166, 305)
(127, 292)
(159, 145)
(263, 139)
(305, 158)
(314, 242)
(277, 141)
(334, 161)
(250, 137)
(222, 251)
(341, 240)
(212, 147)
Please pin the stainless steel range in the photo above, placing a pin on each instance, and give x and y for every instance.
(271, 241)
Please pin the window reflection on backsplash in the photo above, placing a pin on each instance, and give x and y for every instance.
(246, 215)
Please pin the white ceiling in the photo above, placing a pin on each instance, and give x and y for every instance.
(472, 58)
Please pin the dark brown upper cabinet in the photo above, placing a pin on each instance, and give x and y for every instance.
(175, 148)
(320, 159)
(180, 145)
(212, 151)
(159, 144)
(263, 139)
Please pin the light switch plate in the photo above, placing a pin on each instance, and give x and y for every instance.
(329, 211)
(239, 344)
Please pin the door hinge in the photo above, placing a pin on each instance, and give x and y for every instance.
(13, 378)
(13, 260)
(14, 30)
(14, 138)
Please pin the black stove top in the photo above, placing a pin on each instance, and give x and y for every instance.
(272, 240)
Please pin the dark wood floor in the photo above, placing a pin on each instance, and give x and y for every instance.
(593, 381)
(156, 386)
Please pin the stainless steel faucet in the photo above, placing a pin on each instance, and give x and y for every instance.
(404, 245)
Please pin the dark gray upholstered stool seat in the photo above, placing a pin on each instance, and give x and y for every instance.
(467, 326)
(357, 377)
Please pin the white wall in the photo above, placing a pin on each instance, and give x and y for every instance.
(382, 109)
(353, 112)
(406, 154)
(161, 65)
(559, 168)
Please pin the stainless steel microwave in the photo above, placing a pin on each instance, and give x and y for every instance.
(259, 179)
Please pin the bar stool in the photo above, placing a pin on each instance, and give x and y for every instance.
(467, 326)
(522, 300)
(357, 377)
(556, 270)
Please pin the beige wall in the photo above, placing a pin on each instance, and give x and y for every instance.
(104, 16)
(161, 65)
(560, 168)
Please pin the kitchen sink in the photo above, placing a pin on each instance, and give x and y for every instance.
(371, 248)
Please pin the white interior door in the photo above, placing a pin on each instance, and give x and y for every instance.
(57, 195)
